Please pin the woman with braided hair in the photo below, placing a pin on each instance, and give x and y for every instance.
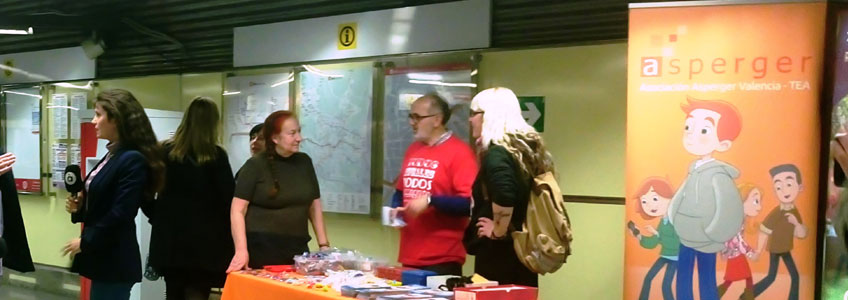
(276, 193)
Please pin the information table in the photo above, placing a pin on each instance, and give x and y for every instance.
(249, 287)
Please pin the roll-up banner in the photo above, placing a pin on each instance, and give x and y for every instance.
(723, 142)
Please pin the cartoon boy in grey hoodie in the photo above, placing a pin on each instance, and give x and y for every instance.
(706, 210)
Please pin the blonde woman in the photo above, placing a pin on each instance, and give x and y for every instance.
(511, 154)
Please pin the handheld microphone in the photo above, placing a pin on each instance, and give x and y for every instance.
(73, 179)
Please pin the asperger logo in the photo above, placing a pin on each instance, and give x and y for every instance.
(758, 66)
(652, 66)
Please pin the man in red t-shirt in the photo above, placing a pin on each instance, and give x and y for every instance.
(434, 191)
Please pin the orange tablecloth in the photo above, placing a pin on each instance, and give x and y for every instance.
(248, 287)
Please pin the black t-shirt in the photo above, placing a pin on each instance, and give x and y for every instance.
(286, 214)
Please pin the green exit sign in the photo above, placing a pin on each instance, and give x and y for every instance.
(533, 110)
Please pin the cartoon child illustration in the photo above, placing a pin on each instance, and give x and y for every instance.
(737, 251)
(707, 210)
(653, 199)
(781, 227)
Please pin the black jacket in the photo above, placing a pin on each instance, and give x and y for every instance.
(18, 258)
(191, 218)
(500, 180)
(109, 247)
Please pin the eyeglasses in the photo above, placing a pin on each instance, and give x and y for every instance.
(476, 112)
(416, 118)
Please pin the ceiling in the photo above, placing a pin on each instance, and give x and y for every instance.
(145, 37)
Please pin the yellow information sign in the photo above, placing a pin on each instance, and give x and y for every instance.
(347, 36)
(9, 63)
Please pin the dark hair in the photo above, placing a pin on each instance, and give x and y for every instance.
(273, 126)
(197, 135)
(256, 130)
(439, 103)
(134, 132)
(786, 168)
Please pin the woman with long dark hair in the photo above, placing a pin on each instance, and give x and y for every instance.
(190, 243)
(276, 195)
(128, 175)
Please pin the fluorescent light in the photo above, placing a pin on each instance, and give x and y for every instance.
(38, 77)
(231, 93)
(424, 76)
(315, 71)
(282, 82)
(23, 94)
(397, 40)
(473, 72)
(430, 82)
(288, 79)
(62, 106)
(87, 86)
(16, 31)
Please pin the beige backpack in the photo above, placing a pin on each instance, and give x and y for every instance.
(544, 243)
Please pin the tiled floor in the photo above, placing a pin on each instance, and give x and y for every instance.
(17, 293)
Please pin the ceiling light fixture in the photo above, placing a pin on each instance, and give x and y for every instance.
(288, 79)
(23, 94)
(16, 71)
(315, 71)
(28, 31)
(226, 93)
(425, 76)
(431, 82)
(87, 86)
(62, 106)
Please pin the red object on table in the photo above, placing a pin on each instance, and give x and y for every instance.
(500, 292)
(391, 272)
(279, 268)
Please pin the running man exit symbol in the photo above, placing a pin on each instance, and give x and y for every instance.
(347, 36)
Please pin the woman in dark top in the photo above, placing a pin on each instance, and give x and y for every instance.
(14, 248)
(276, 193)
(131, 173)
(511, 154)
(190, 243)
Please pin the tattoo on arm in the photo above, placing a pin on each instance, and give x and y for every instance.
(502, 220)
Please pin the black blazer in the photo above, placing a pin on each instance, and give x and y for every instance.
(18, 258)
(109, 248)
(191, 218)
